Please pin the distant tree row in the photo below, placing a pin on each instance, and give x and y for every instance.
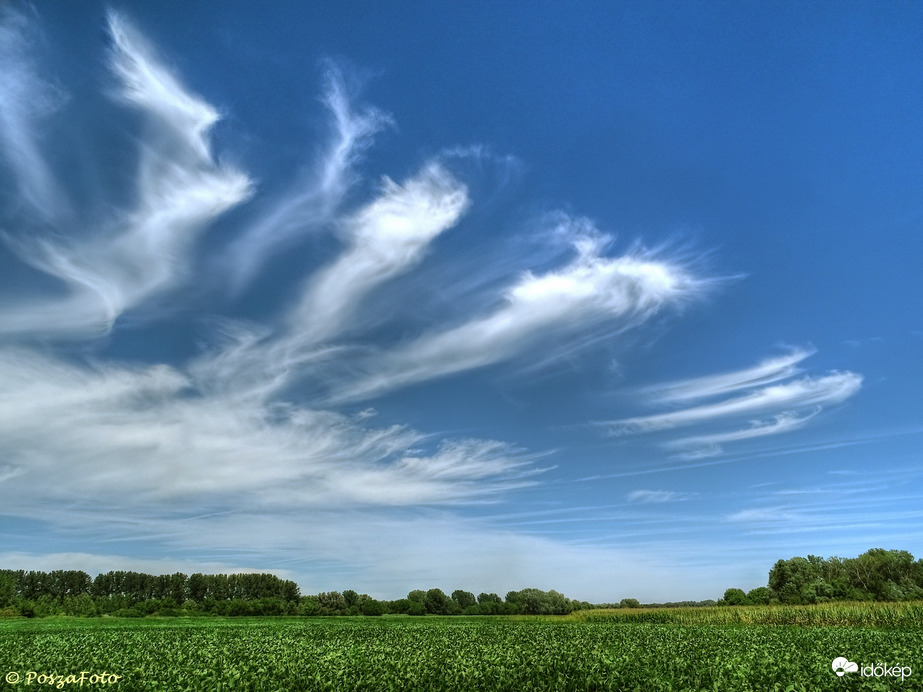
(436, 602)
(134, 594)
(876, 575)
(879, 575)
(73, 592)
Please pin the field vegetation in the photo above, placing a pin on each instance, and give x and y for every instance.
(457, 653)
(908, 614)
(174, 632)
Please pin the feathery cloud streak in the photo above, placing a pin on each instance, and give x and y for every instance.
(145, 435)
(387, 238)
(315, 202)
(765, 373)
(790, 404)
(807, 391)
(25, 99)
(589, 290)
(180, 189)
(656, 496)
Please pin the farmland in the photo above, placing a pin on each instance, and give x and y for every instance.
(592, 652)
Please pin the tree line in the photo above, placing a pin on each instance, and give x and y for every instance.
(33, 593)
(74, 592)
(876, 575)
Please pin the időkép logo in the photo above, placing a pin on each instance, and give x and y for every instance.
(841, 666)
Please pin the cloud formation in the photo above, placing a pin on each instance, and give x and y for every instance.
(768, 372)
(315, 201)
(180, 188)
(591, 289)
(386, 238)
(25, 101)
(789, 404)
(251, 445)
(211, 431)
(656, 496)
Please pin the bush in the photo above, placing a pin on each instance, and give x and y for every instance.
(372, 607)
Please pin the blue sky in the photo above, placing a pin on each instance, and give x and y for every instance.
(621, 299)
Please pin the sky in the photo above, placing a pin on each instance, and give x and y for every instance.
(617, 299)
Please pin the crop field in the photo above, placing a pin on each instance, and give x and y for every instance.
(865, 614)
(458, 653)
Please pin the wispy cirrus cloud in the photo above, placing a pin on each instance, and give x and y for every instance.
(180, 189)
(591, 289)
(765, 373)
(710, 445)
(317, 198)
(386, 238)
(25, 101)
(656, 496)
(212, 430)
(146, 435)
(789, 405)
(807, 391)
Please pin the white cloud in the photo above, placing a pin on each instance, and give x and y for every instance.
(765, 373)
(318, 198)
(591, 289)
(387, 238)
(769, 390)
(25, 100)
(180, 189)
(146, 435)
(656, 496)
(807, 391)
(710, 445)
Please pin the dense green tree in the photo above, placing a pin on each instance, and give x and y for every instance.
(370, 606)
(7, 588)
(331, 603)
(538, 602)
(761, 595)
(464, 599)
(309, 606)
(436, 602)
(879, 574)
(736, 597)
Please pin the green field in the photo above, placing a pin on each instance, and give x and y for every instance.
(457, 653)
